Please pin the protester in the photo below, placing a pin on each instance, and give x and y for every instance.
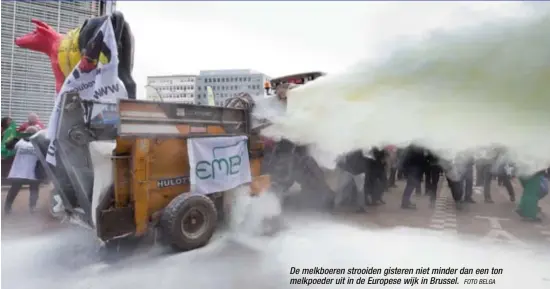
(532, 190)
(6, 123)
(432, 178)
(23, 172)
(479, 174)
(414, 164)
(392, 162)
(9, 132)
(456, 187)
(288, 162)
(355, 163)
(468, 181)
(375, 176)
(400, 159)
(487, 174)
(31, 121)
(504, 178)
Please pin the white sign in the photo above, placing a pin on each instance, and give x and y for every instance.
(218, 163)
(98, 82)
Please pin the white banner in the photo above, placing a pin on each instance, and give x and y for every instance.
(98, 82)
(218, 163)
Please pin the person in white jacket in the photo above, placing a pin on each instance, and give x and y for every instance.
(23, 172)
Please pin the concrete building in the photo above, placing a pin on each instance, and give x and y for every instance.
(227, 83)
(27, 80)
(172, 88)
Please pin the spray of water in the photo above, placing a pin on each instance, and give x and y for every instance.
(465, 91)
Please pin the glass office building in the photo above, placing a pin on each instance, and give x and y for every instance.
(27, 79)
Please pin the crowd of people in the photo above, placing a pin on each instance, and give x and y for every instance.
(21, 164)
(382, 167)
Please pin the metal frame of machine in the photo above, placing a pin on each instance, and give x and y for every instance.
(150, 147)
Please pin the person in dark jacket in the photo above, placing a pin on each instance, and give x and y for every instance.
(375, 176)
(432, 176)
(400, 159)
(414, 165)
(356, 164)
(468, 182)
(479, 174)
(457, 189)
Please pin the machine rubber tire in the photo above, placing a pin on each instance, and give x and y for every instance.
(177, 212)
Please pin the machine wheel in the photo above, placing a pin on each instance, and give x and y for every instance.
(189, 221)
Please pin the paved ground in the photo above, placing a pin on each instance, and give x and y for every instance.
(21, 223)
(488, 222)
(38, 252)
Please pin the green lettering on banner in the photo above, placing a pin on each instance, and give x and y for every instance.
(202, 167)
(224, 166)
(219, 163)
(235, 163)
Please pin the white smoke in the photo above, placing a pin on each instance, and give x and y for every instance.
(463, 91)
(249, 214)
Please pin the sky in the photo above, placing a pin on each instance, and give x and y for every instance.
(279, 38)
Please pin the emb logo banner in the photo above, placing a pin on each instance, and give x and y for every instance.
(218, 163)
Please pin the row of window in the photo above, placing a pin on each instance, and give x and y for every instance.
(228, 87)
(222, 95)
(227, 79)
(171, 81)
(180, 95)
(175, 88)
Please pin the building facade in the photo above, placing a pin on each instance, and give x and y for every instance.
(28, 83)
(172, 88)
(228, 83)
